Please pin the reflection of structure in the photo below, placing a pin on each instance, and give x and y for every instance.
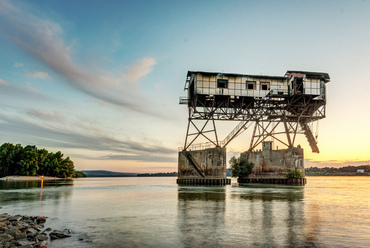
(202, 218)
(279, 107)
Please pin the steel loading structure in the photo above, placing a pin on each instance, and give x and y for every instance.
(280, 107)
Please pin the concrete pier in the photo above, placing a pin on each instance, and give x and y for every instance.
(203, 167)
(224, 181)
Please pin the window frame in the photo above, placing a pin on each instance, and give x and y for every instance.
(267, 84)
(222, 83)
(248, 83)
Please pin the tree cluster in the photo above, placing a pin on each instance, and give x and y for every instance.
(31, 161)
(346, 170)
(240, 167)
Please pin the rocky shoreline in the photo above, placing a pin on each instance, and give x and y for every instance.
(27, 231)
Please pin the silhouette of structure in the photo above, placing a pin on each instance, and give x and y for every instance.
(280, 107)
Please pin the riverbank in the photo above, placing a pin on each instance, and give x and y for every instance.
(30, 178)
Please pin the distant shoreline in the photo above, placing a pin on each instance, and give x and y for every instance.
(30, 178)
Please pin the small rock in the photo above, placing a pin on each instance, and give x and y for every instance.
(13, 232)
(23, 242)
(22, 235)
(48, 229)
(58, 234)
(40, 219)
(32, 231)
(15, 218)
(42, 244)
(40, 237)
(5, 237)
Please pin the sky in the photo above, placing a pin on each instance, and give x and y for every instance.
(100, 81)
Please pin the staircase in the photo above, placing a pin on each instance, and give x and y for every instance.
(311, 139)
(236, 131)
(194, 163)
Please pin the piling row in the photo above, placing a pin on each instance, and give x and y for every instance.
(224, 181)
(291, 181)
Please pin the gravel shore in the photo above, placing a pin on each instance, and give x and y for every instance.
(27, 231)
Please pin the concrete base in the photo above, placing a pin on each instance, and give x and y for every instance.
(224, 181)
(285, 181)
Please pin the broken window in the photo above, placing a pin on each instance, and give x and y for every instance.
(251, 85)
(265, 86)
(222, 83)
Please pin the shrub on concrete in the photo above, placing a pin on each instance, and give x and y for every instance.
(240, 167)
(294, 174)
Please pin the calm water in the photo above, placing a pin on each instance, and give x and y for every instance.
(156, 212)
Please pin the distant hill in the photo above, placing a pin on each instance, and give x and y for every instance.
(105, 173)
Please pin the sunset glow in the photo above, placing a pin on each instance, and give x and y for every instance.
(104, 88)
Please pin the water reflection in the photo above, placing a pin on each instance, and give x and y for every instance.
(201, 216)
(276, 216)
(15, 184)
(27, 191)
(256, 216)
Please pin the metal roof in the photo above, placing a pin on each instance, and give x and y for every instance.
(235, 75)
(310, 74)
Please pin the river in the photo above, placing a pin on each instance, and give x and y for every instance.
(156, 212)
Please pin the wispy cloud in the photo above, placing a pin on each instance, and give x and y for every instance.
(42, 39)
(46, 116)
(3, 82)
(159, 159)
(140, 69)
(37, 74)
(62, 136)
(18, 65)
(14, 91)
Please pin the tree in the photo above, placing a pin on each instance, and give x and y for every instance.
(240, 167)
(30, 161)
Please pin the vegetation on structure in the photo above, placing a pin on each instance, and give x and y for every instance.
(31, 161)
(240, 167)
(294, 174)
(361, 170)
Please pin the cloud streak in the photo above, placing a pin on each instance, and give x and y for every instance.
(53, 136)
(37, 74)
(3, 82)
(42, 39)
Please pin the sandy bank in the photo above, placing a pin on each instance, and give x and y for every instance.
(30, 178)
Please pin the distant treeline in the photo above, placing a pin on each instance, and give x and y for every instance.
(362, 170)
(31, 161)
(165, 174)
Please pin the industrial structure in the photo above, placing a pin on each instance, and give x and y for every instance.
(280, 107)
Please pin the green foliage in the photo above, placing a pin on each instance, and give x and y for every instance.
(294, 174)
(30, 161)
(240, 167)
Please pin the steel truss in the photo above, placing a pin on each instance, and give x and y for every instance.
(290, 113)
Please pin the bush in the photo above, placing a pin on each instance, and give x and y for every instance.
(294, 174)
(240, 167)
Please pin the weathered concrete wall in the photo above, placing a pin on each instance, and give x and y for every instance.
(270, 163)
(211, 164)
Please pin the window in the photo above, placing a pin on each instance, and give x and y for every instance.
(222, 83)
(265, 86)
(251, 85)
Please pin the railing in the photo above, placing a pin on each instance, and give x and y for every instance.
(197, 147)
(183, 100)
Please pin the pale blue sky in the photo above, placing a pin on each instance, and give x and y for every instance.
(100, 80)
